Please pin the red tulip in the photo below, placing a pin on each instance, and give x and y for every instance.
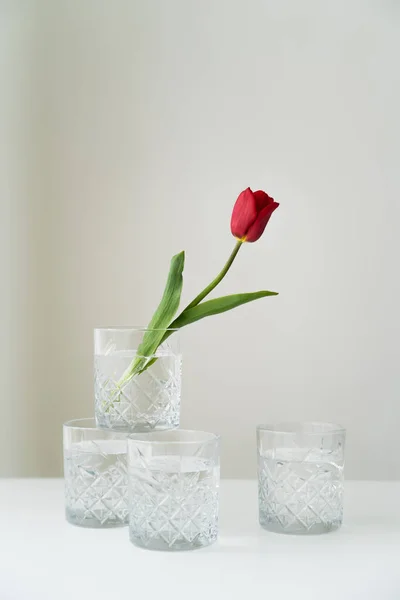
(251, 214)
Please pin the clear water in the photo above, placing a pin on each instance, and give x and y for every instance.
(96, 486)
(149, 401)
(300, 490)
(174, 503)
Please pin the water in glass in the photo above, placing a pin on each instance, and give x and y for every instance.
(300, 490)
(149, 401)
(174, 502)
(96, 484)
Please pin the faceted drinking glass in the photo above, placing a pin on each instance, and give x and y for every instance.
(148, 401)
(300, 477)
(95, 474)
(173, 489)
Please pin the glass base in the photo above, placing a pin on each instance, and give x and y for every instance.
(158, 544)
(140, 427)
(79, 519)
(294, 529)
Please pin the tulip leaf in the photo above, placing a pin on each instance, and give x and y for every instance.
(169, 303)
(216, 306)
(207, 309)
(161, 319)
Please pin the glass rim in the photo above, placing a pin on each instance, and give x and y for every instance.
(138, 328)
(146, 437)
(89, 424)
(300, 427)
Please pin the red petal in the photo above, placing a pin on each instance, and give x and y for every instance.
(262, 200)
(244, 213)
(257, 229)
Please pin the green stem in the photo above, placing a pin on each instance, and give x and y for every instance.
(218, 278)
(204, 293)
(140, 365)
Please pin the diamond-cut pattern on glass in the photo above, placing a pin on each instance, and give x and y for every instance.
(149, 401)
(96, 486)
(174, 510)
(300, 496)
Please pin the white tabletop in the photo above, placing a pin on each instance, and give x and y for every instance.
(43, 557)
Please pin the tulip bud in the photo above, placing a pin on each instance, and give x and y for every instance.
(251, 214)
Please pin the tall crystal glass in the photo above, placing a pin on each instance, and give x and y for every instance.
(300, 477)
(151, 399)
(95, 474)
(173, 489)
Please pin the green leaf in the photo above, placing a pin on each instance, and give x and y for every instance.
(217, 306)
(163, 316)
(170, 301)
(207, 309)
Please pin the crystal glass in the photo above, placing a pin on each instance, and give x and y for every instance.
(148, 401)
(95, 474)
(300, 477)
(173, 489)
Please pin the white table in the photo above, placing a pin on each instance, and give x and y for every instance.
(44, 558)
